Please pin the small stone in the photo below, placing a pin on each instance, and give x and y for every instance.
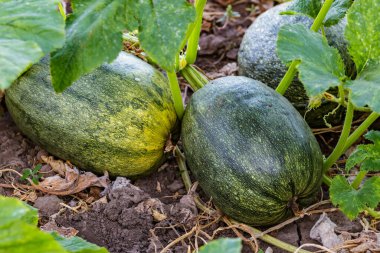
(48, 205)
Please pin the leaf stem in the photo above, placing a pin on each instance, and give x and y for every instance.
(358, 179)
(338, 150)
(326, 180)
(341, 94)
(192, 43)
(269, 239)
(194, 77)
(289, 76)
(360, 130)
(176, 94)
(318, 21)
(373, 213)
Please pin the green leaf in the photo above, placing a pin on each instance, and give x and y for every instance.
(368, 155)
(337, 12)
(225, 245)
(13, 210)
(32, 20)
(93, 37)
(162, 28)
(304, 7)
(19, 233)
(352, 201)
(16, 56)
(321, 66)
(28, 30)
(366, 88)
(19, 237)
(78, 245)
(363, 32)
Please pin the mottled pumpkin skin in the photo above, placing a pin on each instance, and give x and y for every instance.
(117, 118)
(258, 59)
(250, 150)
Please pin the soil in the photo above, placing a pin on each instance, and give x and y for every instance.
(149, 213)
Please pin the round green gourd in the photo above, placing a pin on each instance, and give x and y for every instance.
(258, 59)
(117, 118)
(250, 150)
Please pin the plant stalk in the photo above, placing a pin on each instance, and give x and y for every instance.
(318, 22)
(360, 130)
(338, 150)
(373, 213)
(194, 77)
(271, 240)
(192, 43)
(326, 180)
(358, 179)
(176, 93)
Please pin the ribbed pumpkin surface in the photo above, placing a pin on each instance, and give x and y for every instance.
(117, 118)
(250, 150)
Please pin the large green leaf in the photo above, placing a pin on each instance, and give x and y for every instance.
(16, 56)
(321, 66)
(225, 245)
(19, 233)
(337, 12)
(352, 201)
(93, 36)
(368, 155)
(363, 32)
(78, 245)
(28, 30)
(304, 7)
(13, 210)
(366, 88)
(162, 28)
(20, 237)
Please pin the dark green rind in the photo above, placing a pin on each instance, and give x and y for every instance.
(250, 150)
(117, 118)
(258, 59)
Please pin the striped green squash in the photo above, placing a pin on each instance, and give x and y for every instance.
(250, 150)
(117, 118)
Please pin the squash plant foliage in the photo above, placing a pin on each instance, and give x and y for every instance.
(320, 68)
(19, 233)
(92, 35)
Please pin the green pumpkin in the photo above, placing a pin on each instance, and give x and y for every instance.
(250, 150)
(117, 118)
(258, 59)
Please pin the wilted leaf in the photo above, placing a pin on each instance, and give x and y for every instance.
(69, 180)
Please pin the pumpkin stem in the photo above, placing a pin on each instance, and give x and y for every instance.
(294, 205)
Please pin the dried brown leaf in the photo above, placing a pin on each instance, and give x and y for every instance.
(69, 180)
